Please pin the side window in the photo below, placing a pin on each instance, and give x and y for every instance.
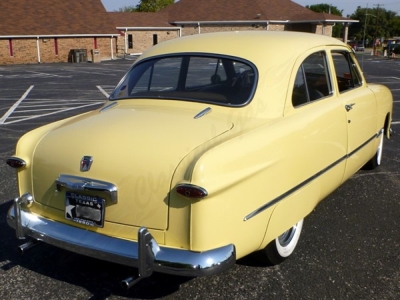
(312, 80)
(347, 74)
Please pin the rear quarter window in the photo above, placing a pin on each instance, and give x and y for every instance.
(312, 81)
(348, 75)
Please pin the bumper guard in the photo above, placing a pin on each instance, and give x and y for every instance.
(144, 254)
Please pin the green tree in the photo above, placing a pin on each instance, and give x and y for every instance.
(327, 8)
(147, 6)
(127, 9)
(374, 23)
(152, 5)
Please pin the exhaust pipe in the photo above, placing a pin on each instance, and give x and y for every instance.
(129, 282)
(28, 245)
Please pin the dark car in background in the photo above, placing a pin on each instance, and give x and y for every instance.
(359, 46)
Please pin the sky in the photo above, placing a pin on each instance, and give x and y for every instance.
(348, 6)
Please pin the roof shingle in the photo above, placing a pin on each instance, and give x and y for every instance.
(56, 17)
(239, 10)
(140, 19)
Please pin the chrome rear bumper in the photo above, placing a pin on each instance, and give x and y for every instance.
(144, 254)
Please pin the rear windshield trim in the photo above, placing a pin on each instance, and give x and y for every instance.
(199, 77)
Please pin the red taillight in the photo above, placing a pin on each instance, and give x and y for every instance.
(16, 162)
(191, 191)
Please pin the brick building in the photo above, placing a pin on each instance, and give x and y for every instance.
(141, 30)
(43, 31)
(186, 17)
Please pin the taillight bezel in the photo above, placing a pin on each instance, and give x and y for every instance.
(191, 191)
(16, 162)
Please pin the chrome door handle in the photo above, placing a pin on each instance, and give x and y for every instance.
(348, 107)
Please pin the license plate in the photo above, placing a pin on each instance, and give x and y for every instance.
(84, 209)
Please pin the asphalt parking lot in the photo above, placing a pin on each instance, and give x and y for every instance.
(349, 248)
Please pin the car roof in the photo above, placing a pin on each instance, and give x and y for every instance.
(245, 44)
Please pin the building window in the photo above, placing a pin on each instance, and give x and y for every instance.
(10, 46)
(95, 43)
(155, 39)
(56, 46)
(130, 41)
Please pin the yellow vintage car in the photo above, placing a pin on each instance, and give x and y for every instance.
(210, 148)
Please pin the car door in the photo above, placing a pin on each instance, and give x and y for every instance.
(361, 110)
(320, 123)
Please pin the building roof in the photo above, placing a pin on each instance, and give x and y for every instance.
(242, 10)
(56, 17)
(89, 17)
(139, 19)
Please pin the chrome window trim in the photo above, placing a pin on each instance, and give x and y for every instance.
(114, 97)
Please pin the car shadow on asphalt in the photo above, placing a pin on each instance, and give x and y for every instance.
(100, 278)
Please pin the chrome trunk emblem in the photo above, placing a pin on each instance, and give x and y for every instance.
(86, 163)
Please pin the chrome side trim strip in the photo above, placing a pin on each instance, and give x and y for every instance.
(308, 180)
(376, 135)
(145, 254)
(87, 184)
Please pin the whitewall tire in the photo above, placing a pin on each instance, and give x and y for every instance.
(376, 160)
(283, 246)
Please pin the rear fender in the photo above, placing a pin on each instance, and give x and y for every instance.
(290, 211)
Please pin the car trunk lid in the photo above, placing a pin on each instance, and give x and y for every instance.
(136, 149)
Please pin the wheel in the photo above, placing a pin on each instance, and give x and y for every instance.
(375, 161)
(282, 247)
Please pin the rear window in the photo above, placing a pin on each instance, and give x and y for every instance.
(211, 79)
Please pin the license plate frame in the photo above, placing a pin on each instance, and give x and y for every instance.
(85, 209)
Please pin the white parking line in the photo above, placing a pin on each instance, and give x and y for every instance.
(390, 77)
(47, 74)
(103, 91)
(53, 113)
(11, 110)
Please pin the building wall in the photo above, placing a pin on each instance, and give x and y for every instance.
(143, 40)
(26, 51)
(325, 29)
(195, 29)
(302, 27)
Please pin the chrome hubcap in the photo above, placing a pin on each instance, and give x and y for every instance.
(285, 238)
